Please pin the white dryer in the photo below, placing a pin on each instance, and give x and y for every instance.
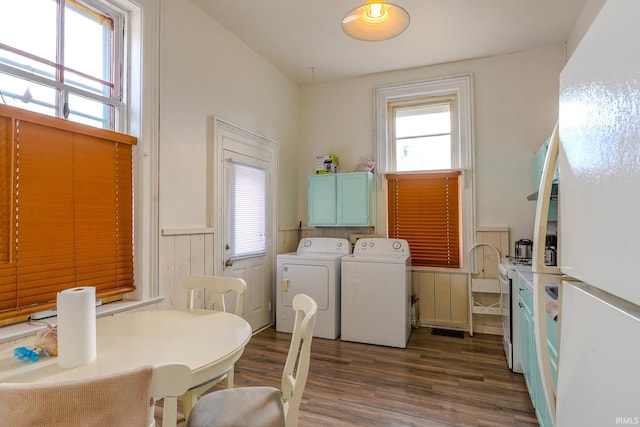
(376, 293)
(314, 269)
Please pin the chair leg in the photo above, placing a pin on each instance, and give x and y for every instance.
(188, 401)
(230, 377)
(170, 412)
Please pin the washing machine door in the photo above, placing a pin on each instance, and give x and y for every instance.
(310, 279)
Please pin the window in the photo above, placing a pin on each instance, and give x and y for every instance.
(63, 58)
(425, 152)
(246, 189)
(69, 191)
(422, 134)
(45, 70)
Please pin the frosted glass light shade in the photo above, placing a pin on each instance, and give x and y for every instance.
(375, 21)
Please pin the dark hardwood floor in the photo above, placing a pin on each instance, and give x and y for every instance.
(435, 381)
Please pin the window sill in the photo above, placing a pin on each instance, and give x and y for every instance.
(17, 331)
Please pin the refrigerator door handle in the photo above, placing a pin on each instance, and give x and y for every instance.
(538, 266)
(542, 207)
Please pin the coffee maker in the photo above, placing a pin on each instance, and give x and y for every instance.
(524, 248)
(550, 250)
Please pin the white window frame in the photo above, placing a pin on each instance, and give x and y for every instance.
(462, 143)
(118, 119)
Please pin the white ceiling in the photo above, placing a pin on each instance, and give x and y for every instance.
(304, 38)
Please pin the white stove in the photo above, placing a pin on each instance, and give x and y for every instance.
(507, 270)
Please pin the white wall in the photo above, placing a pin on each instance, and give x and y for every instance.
(588, 14)
(205, 70)
(515, 109)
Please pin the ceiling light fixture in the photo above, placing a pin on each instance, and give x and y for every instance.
(375, 21)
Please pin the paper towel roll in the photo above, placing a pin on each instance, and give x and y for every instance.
(76, 326)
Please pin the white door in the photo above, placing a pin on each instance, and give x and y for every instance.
(244, 215)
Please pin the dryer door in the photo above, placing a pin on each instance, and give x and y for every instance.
(313, 280)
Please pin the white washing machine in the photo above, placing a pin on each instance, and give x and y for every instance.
(314, 269)
(376, 293)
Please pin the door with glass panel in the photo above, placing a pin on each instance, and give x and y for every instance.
(244, 216)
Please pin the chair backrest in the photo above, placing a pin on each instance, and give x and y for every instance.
(215, 288)
(169, 381)
(296, 368)
(119, 398)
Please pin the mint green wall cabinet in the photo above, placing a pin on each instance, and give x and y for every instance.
(538, 166)
(322, 203)
(341, 199)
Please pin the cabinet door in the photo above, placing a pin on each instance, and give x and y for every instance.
(525, 336)
(321, 191)
(354, 198)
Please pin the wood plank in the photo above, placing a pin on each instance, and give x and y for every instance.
(435, 381)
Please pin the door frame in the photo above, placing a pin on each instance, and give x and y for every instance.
(217, 130)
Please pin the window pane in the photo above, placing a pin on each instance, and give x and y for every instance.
(423, 136)
(87, 45)
(37, 33)
(246, 190)
(86, 66)
(424, 121)
(427, 153)
(30, 96)
(89, 112)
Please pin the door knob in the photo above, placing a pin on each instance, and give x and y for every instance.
(228, 263)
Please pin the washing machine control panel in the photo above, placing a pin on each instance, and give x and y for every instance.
(323, 245)
(373, 246)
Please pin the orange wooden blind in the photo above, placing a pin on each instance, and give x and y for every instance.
(69, 211)
(424, 209)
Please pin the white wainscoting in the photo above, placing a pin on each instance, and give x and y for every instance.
(189, 252)
(443, 296)
(183, 252)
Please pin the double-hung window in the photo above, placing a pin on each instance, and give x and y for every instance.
(63, 58)
(425, 151)
(67, 186)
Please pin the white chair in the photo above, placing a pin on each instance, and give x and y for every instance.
(124, 398)
(216, 289)
(169, 382)
(265, 406)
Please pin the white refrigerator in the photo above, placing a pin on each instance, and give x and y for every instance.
(597, 147)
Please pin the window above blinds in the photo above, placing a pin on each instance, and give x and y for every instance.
(64, 58)
(422, 134)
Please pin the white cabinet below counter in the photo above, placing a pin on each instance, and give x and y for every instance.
(340, 199)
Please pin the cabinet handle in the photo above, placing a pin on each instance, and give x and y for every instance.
(520, 305)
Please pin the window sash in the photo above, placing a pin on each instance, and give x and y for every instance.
(424, 209)
(68, 219)
(55, 88)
